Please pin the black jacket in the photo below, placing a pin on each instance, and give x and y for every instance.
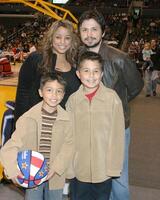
(121, 74)
(155, 57)
(29, 81)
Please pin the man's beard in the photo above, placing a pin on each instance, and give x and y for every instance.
(94, 45)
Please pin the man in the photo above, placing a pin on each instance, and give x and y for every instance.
(156, 65)
(120, 74)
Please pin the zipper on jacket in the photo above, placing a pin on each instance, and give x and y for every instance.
(90, 141)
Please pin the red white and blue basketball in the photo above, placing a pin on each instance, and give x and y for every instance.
(34, 168)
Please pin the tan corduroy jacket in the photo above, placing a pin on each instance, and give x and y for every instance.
(99, 135)
(27, 136)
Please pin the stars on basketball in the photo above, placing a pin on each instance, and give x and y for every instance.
(33, 168)
(24, 165)
(46, 168)
(41, 173)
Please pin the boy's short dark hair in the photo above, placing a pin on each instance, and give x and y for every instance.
(90, 55)
(93, 14)
(52, 77)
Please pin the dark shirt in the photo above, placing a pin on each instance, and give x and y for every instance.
(155, 57)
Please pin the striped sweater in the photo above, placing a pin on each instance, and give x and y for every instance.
(48, 120)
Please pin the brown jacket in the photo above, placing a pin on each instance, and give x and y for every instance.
(27, 136)
(99, 135)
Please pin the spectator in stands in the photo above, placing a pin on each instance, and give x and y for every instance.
(155, 57)
(25, 52)
(23, 35)
(32, 47)
(147, 67)
(147, 52)
(120, 74)
(18, 56)
(58, 54)
(132, 50)
(1, 39)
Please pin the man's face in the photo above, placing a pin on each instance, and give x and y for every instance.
(153, 44)
(91, 33)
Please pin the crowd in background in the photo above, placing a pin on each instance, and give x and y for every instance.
(100, 3)
(145, 30)
(151, 3)
(18, 42)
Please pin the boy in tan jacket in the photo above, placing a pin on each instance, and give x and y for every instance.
(45, 128)
(98, 124)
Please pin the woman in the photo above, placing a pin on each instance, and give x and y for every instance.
(58, 54)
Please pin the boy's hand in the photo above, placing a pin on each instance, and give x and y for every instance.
(50, 174)
(14, 180)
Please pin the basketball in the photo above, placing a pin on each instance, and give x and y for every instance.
(34, 168)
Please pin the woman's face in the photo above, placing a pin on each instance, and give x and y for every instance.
(62, 40)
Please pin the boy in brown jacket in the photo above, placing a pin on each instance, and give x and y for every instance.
(98, 124)
(45, 128)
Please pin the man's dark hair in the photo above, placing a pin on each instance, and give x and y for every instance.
(90, 55)
(52, 77)
(93, 14)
